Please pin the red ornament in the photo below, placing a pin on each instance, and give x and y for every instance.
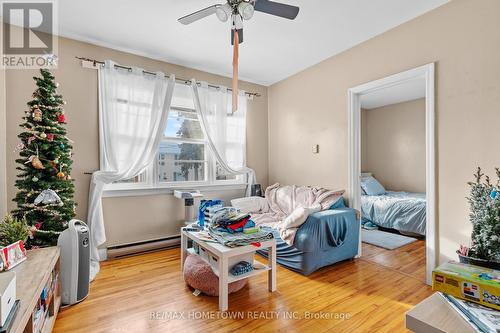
(50, 137)
(61, 118)
(38, 225)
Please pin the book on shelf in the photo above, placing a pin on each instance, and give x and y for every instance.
(482, 319)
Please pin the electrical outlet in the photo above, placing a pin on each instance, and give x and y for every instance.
(315, 149)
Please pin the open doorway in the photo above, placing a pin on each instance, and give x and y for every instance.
(392, 180)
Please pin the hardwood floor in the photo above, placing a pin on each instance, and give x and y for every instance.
(147, 293)
(409, 259)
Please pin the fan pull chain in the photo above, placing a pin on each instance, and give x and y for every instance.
(235, 71)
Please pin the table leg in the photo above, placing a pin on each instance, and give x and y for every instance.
(184, 243)
(271, 277)
(223, 277)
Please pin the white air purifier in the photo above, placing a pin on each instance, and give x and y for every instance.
(75, 262)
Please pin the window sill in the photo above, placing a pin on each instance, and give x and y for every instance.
(147, 190)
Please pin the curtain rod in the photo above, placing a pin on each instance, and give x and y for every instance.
(178, 80)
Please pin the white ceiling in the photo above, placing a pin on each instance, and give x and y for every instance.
(403, 92)
(274, 48)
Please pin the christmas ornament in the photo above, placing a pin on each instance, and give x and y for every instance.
(56, 161)
(60, 175)
(35, 179)
(61, 118)
(494, 194)
(43, 135)
(35, 162)
(37, 115)
(31, 139)
(19, 147)
(47, 197)
(68, 177)
(50, 137)
(61, 145)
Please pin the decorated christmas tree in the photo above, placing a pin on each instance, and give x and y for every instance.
(484, 215)
(45, 188)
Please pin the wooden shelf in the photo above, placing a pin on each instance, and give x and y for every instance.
(51, 320)
(31, 277)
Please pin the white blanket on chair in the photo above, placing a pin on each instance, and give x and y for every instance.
(290, 205)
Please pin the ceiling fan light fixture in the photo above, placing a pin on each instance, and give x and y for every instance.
(237, 22)
(246, 10)
(223, 12)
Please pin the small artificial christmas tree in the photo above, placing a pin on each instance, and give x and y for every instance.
(45, 196)
(484, 215)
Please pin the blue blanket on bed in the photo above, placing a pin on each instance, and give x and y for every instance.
(325, 238)
(402, 211)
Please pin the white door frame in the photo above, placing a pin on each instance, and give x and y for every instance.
(354, 94)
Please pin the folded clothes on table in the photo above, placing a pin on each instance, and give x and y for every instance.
(238, 226)
(239, 238)
(228, 216)
(230, 219)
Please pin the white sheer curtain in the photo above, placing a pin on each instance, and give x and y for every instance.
(225, 131)
(133, 112)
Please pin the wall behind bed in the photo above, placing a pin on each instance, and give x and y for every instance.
(463, 38)
(393, 145)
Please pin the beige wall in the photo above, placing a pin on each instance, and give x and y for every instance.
(393, 145)
(3, 138)
(127, 219)
(463, 38)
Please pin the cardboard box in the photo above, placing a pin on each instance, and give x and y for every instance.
(472, 283)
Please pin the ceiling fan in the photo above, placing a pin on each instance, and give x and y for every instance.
(237, 11)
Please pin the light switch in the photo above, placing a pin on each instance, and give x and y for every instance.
(315, 149)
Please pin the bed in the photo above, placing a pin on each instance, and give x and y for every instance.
(403, 211)
(325, 238)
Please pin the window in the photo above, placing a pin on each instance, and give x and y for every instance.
(183, 155)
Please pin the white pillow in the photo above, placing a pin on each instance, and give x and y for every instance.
(251, 205)
(299, 216)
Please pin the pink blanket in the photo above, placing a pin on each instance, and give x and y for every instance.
(289, 206)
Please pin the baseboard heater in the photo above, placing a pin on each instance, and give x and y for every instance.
(120, 251)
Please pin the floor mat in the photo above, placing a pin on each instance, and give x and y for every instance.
(387, 240)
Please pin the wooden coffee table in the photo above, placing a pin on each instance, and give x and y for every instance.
(224, 257)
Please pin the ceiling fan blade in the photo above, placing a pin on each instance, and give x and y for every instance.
(277, 9)
(188, 19)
